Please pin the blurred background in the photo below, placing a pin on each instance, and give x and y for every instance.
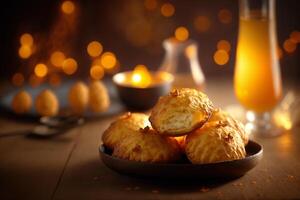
(37, 36)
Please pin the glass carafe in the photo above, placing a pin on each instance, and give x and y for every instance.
(181, 60)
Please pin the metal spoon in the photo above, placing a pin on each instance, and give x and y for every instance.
(55, 126)
(61, 121)
(50, 127)
(45, 131)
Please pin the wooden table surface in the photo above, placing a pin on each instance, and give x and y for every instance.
(68, 166)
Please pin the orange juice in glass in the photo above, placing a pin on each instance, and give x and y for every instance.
(257, 79)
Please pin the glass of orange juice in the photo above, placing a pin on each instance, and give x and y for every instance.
(257, 79)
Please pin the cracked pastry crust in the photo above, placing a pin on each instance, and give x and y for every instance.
(148, 146)
(214, 143)
(124, 126)
(220, 115)
(181, 111)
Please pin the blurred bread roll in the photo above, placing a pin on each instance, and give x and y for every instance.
(145, 145)
(181, 111)
(123, 127)
(78, 97)
(98, 97)
(214, 143)
(46, 103)
(21, 102)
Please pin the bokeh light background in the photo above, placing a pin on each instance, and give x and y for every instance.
(52, 40)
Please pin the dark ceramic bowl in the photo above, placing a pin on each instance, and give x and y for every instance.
(184, 169)
(142, 98)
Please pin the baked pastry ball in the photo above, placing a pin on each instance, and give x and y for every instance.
(180, 112)
(220, 115)
(46, 103)
(98, 97)
(78, 97)
(145, 145)
(214, 143)
(21, 102)
(123, 127)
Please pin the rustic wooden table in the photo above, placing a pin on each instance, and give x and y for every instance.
(68, 167)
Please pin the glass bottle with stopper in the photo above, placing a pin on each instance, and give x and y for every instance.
(181, 60)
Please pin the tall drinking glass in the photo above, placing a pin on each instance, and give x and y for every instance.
(257, 78)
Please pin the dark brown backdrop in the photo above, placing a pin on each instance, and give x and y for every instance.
(107, 20)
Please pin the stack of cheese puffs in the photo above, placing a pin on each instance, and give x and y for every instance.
(184, 122)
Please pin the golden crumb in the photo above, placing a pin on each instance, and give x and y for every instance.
(204, 189)
(155, 191)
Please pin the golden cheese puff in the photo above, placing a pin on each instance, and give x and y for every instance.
(214, 143)
(78, 97)
(145, 145)
(181, 111)
(98, 97)
(220, 115)
(122, 127)
(21, 102)
(46, 103)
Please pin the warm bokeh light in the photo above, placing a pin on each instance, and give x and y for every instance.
(225, 16)
(202, 24)
(224, 45)
(69, 66)
(26, 39)
(40, 70)
(221, 57)
(167, 10)
(96, 72)
(283, 120)
(94, 48)
(113, 70)
(108, 60)
(34, 81)
(18, 79)
(295, 36)
(181, 33)
(150, 4)
(24, 52)
(141, 77)
(68, 7)
(57, 58)
(289, 46)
